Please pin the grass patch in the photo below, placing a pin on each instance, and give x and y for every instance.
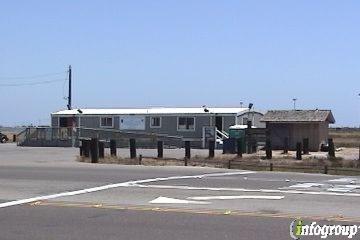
(345, 137)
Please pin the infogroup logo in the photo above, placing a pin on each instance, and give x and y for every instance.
(299, 229)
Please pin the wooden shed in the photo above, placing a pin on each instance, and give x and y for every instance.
(296, 125)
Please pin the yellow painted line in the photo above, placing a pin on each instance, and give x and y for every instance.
(196, 211)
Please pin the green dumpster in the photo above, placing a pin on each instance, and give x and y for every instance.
(238, 134)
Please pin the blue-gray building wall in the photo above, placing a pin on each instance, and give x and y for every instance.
(169, 124)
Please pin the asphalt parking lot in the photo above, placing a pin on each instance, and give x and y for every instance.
(54, 196)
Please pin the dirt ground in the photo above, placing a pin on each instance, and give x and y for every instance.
(345, 158)
(342, 152)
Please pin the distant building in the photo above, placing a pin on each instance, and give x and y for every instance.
(188, 123)
(253, 116)
(297, 125)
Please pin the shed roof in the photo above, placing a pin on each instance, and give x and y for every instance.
(298, 116)
(149, 111)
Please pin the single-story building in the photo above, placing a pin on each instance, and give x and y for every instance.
(253, 116)
(295, 125)
(188, 123)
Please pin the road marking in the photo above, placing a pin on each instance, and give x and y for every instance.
(249, 190)
(237, 197)
(340, 189)
(162, 200)
(306, 185)
(327, 187)
(117, 185)
(202, 211)
(344, 180)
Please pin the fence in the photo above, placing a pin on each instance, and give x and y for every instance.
(67, 137)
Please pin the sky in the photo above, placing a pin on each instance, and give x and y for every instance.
(180, 53)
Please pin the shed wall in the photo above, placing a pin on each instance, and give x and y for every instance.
(296, 132)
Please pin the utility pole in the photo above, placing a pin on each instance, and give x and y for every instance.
(69, 97)
(359, 125)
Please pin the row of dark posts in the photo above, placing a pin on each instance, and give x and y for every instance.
(94, 149)
(301, 148)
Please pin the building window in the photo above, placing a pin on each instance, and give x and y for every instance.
(106, 122)
(155, 122)
(186, 124)
(245, 120)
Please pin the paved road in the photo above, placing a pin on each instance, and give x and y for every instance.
(136, 202)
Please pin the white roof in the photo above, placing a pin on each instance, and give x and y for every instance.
(145, 111)
(240, 127)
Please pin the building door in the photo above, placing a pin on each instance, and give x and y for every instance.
(66, 125)
(66, 122)
(219, 123)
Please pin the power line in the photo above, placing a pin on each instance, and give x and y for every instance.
(31, 83)
(34, 76)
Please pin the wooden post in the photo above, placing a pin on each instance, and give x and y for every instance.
(132, 148)
(187, 150)
(331, 148)
(160, 148)
(140, 159)
(14, 138)
(229, 164)
(249, 138)
(239, 147)
(286, 145)
(271, 167)
(101, 149)
(81, 148)
(325, 169)
(94, 150)
(268, 149)
(249, 146)
(249, 124)
(306, 146)
(86, 148)
(298, 151)
(81, 151)
(211, 148)
(113, 147)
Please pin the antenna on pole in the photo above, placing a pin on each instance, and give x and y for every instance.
(69, 96)
(294, 100)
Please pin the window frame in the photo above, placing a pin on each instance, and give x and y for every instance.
(186, 130)
(106, 126)
(160, 122)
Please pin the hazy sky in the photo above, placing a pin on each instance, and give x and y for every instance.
(180, 53)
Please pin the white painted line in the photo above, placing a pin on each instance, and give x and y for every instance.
(351, 186)
(166, 200)
(116, 185)
(237, 197)
(343, 188)
(306, 185)
(339, 189)
(344, 180)
(63, 194)
(250, 190)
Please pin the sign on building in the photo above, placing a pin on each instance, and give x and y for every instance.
(132, 123)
